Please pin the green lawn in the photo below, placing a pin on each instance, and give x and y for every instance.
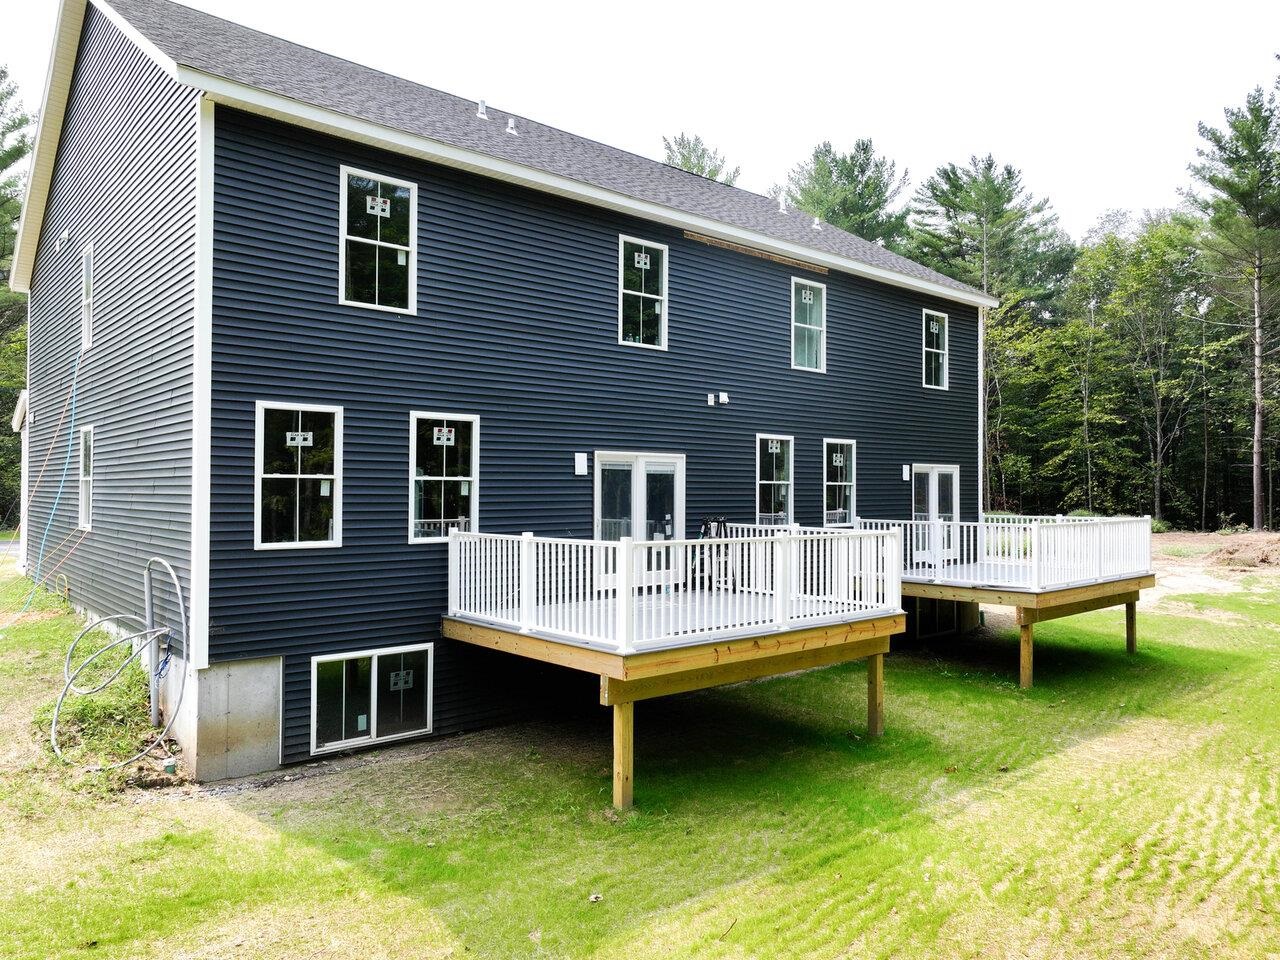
(1124, 807)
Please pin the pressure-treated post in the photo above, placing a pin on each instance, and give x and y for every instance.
(1025, 654)
(527, 582)
(626, 609)
(1131, 628)
(623, 753)
(875, 695)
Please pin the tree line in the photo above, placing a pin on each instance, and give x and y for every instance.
(1136, 371)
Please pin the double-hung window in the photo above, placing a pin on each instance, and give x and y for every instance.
(86, 297)
(808, 325)
(642, 293)
(444, 458)
(839, 491)
(371, 695)
(299, 476)
(378, 251)
(773, 479)
(935, 350)
(85, 519)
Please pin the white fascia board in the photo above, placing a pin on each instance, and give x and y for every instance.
(19, 413)
(263, 102)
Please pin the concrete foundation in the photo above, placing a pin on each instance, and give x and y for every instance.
(234, 727)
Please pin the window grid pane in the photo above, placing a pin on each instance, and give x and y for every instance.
(377, 238)
(298, 484)
(444, 481)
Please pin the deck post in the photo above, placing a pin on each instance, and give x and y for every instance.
(626, 609)
(455, 557)
(1024, 655)
(875, 695)
(782, 545)
(623, 753)
(1131, 627)
(527, 585)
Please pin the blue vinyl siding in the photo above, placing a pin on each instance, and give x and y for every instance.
(124, 180)
(517, 322)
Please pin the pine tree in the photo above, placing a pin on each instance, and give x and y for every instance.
(854, 191)
(693, 154)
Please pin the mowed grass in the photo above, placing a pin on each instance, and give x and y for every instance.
(1124, 807)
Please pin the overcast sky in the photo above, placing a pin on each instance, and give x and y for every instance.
(1097, 103)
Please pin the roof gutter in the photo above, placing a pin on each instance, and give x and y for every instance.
(265, 103)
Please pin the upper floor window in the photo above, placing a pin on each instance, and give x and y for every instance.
(935, 350)
(86, 479)
(773, 479)
(299, 476)
(642, 293)
(444, 457)
(808, 325)
(839, 493)
(86, 297)
(378, 255)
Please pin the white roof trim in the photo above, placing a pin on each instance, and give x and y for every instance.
(20, 412)
(265, 103)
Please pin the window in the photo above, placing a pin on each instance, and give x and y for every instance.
(808, 325)
(935, 350)
(372, 695)
(86, 478)
(444, 457)
(86, 298)
(377, 259)
(839, 491)
(773, 479)
(642, 293)
(299, 476)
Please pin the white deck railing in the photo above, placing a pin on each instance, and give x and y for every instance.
(1022, 553)
(629, 596)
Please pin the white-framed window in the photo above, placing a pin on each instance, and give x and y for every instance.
(775, 460)
(934, 332)
(297, 476)
(444, 474)
(371, 695)
(808, 325)
(86, 297)
(378, 246)
(85, 518)
(839, 482)
(642, 293)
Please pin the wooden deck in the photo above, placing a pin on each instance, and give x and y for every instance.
(628, 678)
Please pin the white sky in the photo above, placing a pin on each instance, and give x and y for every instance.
(1096, 102)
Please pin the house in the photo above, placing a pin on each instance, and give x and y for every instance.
(391, 377)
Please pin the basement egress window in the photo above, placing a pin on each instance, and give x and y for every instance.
(444, 458)
(299, 477)
(378, 253)
(369, 696)
(642, 293)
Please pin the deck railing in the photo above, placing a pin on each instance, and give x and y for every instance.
(1022, 553)
(629, 596)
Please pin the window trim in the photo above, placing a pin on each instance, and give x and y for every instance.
(88, 289)
(623, 239)
(414, 417)
(925, 350)
(260, 408)
(343, 172)
(791, 474)
(827, 442)
(373, 654)
(84, 506)
(822, 347)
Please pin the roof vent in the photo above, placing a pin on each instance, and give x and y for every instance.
(782, 203)
(480, 111)
(817, 224)
(511, 127)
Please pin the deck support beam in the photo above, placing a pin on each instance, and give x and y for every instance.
(1025, 652)
(1131, 627)
(624, 741)
(875, 695)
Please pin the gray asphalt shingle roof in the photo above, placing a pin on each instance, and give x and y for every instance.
(233, 52)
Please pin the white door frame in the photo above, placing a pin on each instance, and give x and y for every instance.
(639, 462)
(937, 542)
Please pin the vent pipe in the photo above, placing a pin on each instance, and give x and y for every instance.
(511, 127)
(817, 225)
(480, 111)
(782, 203)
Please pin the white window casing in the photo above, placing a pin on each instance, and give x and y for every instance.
(775, 479)
(935, 360)
(85, 507)
(368, 732)
(808, 325)
(376, 243)
(642, 293)
(288, 486)
(457, 478)
(839, 481)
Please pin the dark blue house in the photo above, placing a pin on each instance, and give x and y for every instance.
(313, 333)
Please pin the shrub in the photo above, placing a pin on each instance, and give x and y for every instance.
(1160, 526)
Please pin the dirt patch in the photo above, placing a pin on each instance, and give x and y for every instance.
(1248, 553)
